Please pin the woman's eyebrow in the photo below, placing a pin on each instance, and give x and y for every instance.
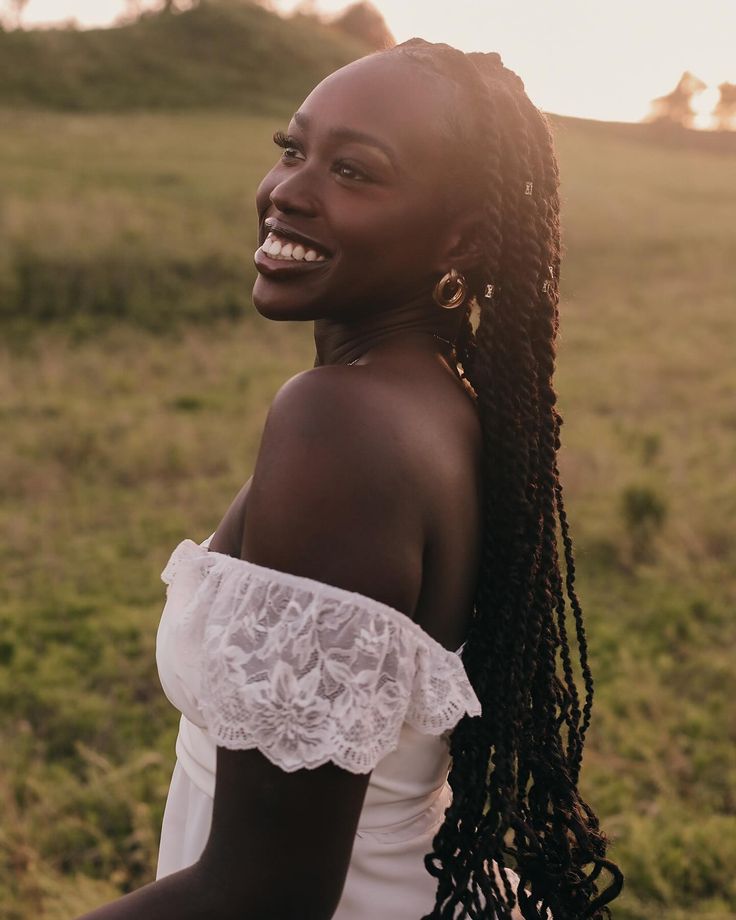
(350, 134)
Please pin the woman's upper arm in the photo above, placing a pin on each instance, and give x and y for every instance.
(285, 837)
(329, 500)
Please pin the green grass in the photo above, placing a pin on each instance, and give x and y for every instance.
(120, 443)
(143, 217)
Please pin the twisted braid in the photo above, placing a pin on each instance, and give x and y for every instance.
(513, 778)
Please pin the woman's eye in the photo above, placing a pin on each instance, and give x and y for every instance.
(350, 172)
(291, 150)
(292, 153)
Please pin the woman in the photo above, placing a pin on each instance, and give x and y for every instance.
(403, 510)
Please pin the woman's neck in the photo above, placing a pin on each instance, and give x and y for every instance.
(339, 342)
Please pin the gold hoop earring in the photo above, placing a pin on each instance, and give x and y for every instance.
(454, 278)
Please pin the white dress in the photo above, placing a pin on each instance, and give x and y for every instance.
(307, 672)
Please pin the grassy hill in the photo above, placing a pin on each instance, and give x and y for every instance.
(225, 54)
(117, 443)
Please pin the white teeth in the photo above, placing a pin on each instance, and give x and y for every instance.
(281, 248)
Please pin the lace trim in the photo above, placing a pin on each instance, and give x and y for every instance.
(305, 671)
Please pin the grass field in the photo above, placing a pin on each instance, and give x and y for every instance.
(122, 438)
(143, 217)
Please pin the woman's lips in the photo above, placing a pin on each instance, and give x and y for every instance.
(282, 230)
(282, 247)
(285, 252)
(283, 268)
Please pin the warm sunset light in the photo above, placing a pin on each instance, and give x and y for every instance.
(590, 59)
(240, 268)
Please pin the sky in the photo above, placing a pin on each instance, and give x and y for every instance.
(588, 58)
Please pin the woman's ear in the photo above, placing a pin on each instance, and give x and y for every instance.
(462, 244)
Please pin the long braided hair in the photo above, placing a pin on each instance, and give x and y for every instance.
(513, 774)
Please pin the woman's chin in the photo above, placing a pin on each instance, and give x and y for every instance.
(277, 303)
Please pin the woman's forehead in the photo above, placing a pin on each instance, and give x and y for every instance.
(383, 96)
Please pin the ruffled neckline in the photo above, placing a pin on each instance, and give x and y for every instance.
(189, 550)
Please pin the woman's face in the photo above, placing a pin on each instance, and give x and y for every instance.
(360, 181)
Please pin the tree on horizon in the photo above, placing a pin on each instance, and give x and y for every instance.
(675, 108)
(363, 21)
(138, 9)
(724, 113)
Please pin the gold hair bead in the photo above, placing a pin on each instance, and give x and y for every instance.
(528, 188)
(488, 295)
(547, 287)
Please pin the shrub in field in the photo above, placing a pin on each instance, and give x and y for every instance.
(644, 512)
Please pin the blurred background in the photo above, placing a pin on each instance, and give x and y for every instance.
(135, 377)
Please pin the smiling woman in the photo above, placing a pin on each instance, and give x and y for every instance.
(365, 651)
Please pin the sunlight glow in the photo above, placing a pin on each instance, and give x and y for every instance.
(703, 105)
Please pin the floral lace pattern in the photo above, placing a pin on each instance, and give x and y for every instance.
(305, 671)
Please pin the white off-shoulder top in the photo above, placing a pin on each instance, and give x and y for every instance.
(307, 673)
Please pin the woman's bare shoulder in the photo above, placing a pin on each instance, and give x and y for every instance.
(360, 395)
(332, 410)
(331, 497)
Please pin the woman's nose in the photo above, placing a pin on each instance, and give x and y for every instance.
(294, 193)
